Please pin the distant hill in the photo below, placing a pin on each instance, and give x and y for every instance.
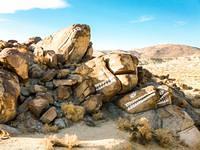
(167, 51)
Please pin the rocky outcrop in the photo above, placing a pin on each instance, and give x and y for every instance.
(64, 84)
(71, 43)
(111, 74)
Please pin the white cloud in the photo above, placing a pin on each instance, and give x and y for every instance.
(142, 19)
(11, 6)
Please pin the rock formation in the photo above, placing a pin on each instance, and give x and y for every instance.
(57, 81)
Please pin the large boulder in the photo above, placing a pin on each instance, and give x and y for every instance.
(73, 43)
(111, 74)
(16, 61)
(9, 92)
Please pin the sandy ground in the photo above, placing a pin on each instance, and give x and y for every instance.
(184, 69)
(106, 130)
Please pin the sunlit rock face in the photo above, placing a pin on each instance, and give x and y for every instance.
(9, 92)
(73, 43)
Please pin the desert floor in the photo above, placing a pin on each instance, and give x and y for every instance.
(186, 70)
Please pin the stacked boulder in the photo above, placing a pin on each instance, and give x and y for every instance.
(57, 80)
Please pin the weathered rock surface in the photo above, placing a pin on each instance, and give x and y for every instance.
(38, 105)
(93, 103)
(16, 61)
(9, 92)
(111, 74)
(49, 115)
(63, 92)
(70, 42)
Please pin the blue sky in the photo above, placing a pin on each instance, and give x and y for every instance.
(115, 24)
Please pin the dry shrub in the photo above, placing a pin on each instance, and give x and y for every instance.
(141, 131)
(49, 128)
(124, 124)
(164, 137)
(144, 128)
(72, 112)
(98, 116)
(4, 135)
(68, 141)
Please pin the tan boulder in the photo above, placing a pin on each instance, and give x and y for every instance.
(140, 100)
(49, 115)
(16, 61)
(70, 42)
(93, 103)
(111, 74)
(63, 92)
(62, 82)
(83, 90)
(9, 92)
(49, 75)
(38, 105)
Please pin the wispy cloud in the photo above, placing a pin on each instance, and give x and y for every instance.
(11, 6)
(142, 19)
(4, 20)
(180, 23)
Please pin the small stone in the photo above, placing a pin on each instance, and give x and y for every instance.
(50, 58)
(93, 103)
(67, 82)
(49, 115)
(63, 73)
(68, 122)
(36, 71)
(89, 121)
(63, 92)
(49, 75)
(60, 123)
(24, 106)
(186, 87)
(25, 91)
(38, 88)
(76, 77)
(49, 85)
(47, 96)
(38, 105)
(33, 40)
(84, 89)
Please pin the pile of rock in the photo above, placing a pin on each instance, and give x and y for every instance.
(57, 81)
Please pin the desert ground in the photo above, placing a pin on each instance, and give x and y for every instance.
(186, 70)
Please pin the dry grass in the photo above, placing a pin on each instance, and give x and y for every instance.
(49, 128)
(141, 131)
(68, 141)
(98, 116)
(4, 135)
(164, 137)
(124, 124)
(72, 112)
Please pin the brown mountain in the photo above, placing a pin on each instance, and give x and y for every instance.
(167, 51)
